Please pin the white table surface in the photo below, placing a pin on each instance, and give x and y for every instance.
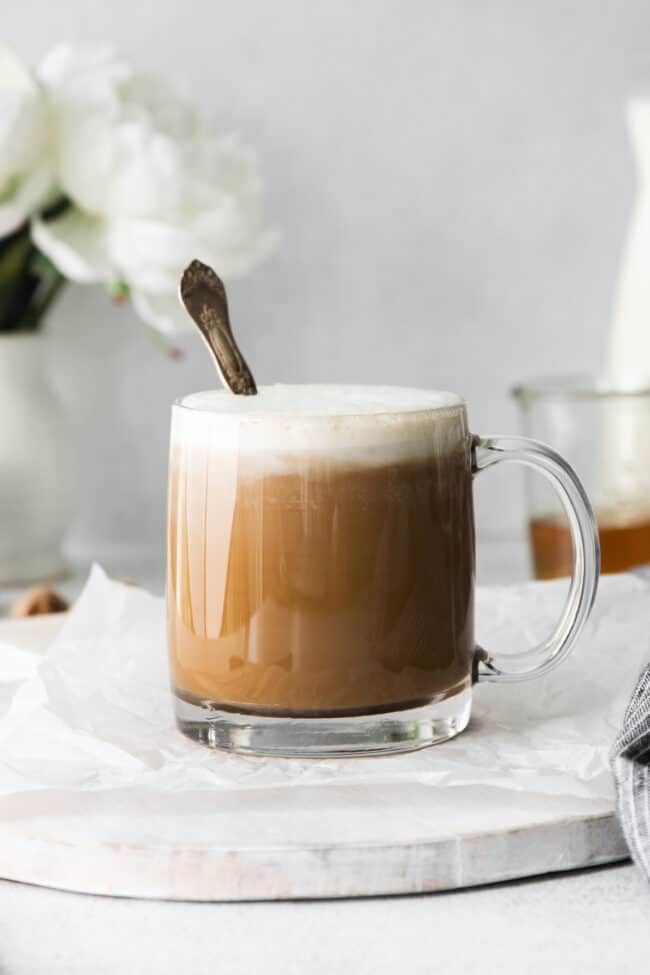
(595, 921)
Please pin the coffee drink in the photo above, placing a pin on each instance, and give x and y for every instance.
(321, 550)
(624, 541)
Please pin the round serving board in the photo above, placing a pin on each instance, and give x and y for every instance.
(302, 841)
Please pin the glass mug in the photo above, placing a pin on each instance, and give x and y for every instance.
(320, 583)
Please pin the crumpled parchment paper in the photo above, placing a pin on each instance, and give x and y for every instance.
(98, 713)
(89, 743)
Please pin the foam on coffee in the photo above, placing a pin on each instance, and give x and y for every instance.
(321, 400)
(380, 424)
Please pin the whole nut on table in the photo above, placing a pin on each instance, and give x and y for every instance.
(38, 601)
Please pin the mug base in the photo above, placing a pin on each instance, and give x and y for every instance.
(318, 737)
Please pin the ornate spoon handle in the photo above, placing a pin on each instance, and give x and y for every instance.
(204, 297)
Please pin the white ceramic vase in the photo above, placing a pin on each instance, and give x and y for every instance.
(36, 476)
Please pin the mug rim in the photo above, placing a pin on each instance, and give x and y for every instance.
(456, 402)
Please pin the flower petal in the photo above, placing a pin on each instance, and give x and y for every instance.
(82, 91)
(76, 245)
(24, 130)
(22, 198)
(150, 254)
(163, 311)
(14, 75)
(86, 73)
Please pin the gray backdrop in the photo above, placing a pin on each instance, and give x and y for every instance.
(452, 182)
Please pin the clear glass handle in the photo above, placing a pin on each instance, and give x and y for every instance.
(538, 660)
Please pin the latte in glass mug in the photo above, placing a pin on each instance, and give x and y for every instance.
(321, 568)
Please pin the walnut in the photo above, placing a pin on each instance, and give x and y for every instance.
(36, 601)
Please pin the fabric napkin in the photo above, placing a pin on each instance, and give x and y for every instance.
(631, 765)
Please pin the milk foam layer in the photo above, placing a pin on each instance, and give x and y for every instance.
(361, 424)
(321, 400)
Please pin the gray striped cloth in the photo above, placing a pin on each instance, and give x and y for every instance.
(631, 764)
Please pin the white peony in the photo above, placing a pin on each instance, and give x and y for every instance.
(25, 175)
(151, 187)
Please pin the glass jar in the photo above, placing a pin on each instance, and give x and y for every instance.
(604, 433)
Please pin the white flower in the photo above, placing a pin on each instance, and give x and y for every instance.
(151, 187)
(25, 176)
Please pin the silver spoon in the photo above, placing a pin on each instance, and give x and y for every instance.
(204, 298)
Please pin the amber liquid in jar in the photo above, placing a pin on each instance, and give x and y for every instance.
(624, 541)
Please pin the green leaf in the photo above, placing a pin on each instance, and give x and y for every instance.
(28, 283)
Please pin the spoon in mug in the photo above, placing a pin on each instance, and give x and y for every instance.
(204, 297)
